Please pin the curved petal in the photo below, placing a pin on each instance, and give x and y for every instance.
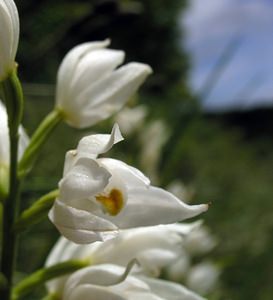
(130, 175)
(84, 180)
(152, 206)
(79, 226)
(104, 275)
(108, 277)
(96, 144)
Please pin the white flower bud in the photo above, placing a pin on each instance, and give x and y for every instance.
(9, 36)
(90, 88)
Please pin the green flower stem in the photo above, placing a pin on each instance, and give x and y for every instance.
(38, 139)
(36, 212)
(41, 276)
(13, 97)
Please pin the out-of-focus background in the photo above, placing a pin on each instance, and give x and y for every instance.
(202, 124)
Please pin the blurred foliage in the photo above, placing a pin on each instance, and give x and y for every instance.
(228, 165)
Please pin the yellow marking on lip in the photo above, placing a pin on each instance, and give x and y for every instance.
(113, 203)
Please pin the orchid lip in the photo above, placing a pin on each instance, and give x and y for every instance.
(113, 202)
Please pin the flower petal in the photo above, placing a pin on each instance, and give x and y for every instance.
(13, 13)
(132, 243)
(6, 34)
(130, 175)
(104, 275)
(68, 66)
(111, 92)
(152, 206)
(94, 66)
(108, 277)
(92, 292)
(96, 144)
(169, 290)
(79, 226)
(84, 180)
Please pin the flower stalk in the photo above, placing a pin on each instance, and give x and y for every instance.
(37, 140)
(13, 97)
(36, 212)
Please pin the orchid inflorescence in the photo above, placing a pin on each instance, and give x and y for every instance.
(118, 231)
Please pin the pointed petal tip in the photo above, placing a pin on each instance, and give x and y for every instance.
(141, 67)
(195, 210)
(117, 133)
(205, 206)
(107, 42)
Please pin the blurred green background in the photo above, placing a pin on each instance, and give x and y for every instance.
(226, 158)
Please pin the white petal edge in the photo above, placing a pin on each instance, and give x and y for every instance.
(79, 226)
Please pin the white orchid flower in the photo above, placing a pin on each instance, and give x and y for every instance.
(9, 36)
(90, 88)
(4, 146)
(153, 247)
(100, 195)
(103, 282)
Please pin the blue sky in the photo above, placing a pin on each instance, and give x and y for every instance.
(247, 81)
